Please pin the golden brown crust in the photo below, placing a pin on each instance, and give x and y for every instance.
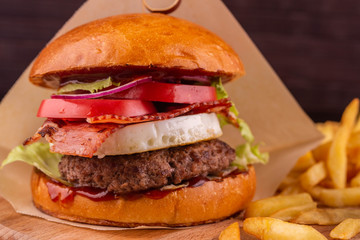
(137, 40)
(210, 202)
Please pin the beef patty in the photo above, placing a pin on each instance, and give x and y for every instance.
(136, 172)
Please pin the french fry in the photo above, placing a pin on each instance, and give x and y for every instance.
(232, 232)
(291, 179)
(268, 206)
(357, 157)
(351, 172)
(271, 228)
(327, 216)
(354, 141)
(304, 162)
(353, 149)
(290, 213)
(315, 192)
(346, 197)
(355, 181)
(346, 229)
(292, 189)
(321, 153)
(337, 158)
(350, 113)
(313, 175)
(357, 126)
(328, 129)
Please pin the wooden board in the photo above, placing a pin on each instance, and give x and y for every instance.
(17, 226)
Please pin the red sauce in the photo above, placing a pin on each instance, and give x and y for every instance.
(157, 194)
(65, 194)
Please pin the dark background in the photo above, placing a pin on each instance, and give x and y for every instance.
(314, 46)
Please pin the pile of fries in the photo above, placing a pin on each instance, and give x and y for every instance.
(330, 173)
(323, 188)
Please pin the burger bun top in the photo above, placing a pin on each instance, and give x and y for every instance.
(145, 41)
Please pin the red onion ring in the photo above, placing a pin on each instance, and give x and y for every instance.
(103, 93)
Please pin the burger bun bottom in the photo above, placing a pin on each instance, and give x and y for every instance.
(210, 202)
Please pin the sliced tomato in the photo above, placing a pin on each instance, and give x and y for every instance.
(83, 108)
(168, 92)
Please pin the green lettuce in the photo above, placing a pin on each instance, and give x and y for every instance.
(247, 153)
(92, 87)
(38, 155)
(244, 128)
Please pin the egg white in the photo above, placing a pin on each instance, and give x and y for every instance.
(155, 135)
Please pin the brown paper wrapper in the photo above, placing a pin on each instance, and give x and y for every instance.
(274, 116)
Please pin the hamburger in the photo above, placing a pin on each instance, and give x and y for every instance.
(131, 135)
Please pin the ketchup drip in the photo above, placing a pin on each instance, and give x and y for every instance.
(65, 194)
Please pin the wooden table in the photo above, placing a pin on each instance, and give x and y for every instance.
(16, 226)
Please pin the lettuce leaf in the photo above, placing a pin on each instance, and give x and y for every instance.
(244, 128)
(38, 155)
(92, 87)
(247, 153)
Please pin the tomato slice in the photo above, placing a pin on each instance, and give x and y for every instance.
(83, 108)
(168, 92)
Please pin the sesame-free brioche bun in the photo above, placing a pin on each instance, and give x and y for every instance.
(210, 202)
(147, 42)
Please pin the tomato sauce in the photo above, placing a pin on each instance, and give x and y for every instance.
(65, 194)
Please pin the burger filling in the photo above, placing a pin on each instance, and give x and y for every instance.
(137, 135)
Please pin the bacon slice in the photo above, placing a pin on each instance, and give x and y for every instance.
(74, 138)
(195, 108)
